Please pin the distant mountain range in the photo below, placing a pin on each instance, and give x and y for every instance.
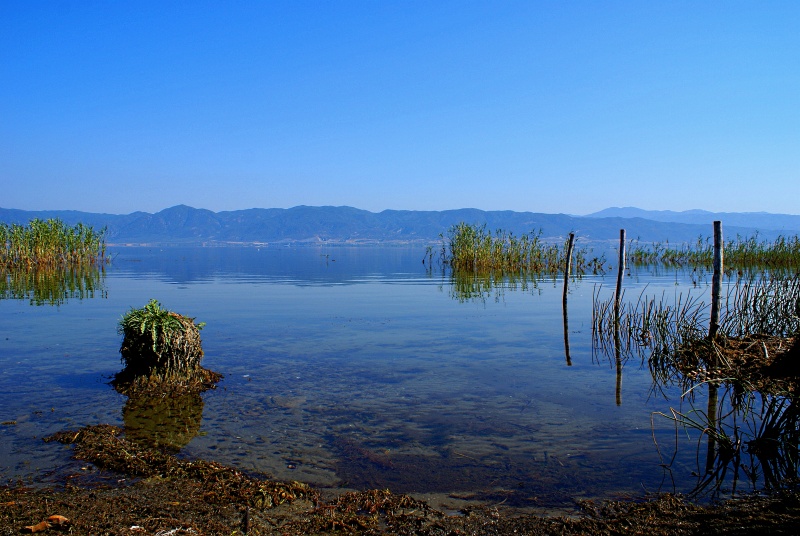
(183, 225)
(788, 223)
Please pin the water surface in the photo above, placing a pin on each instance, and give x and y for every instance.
(353, 367)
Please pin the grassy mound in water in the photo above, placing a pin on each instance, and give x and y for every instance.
(161, 350)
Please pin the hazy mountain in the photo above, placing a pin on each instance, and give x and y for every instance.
(303, 224)
(788, 223)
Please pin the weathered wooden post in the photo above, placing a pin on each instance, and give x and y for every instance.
(568, 265)
(617, 301)
(716, 281)
(713, 328)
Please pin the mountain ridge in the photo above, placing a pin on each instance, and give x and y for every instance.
(303, 224)
(758, 220)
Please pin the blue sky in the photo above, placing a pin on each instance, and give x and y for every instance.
(569, 107)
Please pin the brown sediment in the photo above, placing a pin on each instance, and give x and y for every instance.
(174, 496)
(766, 363)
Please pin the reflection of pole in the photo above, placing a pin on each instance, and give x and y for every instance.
(617, 300)
(566, 332)
(712, 427)
(716, 281)
(620, 273)
(618, 356)
(570, 244)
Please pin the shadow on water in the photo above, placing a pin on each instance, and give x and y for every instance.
(53, 285)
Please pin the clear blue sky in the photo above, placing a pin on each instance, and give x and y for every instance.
(118, 106)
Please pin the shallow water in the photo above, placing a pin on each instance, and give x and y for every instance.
(352, 367)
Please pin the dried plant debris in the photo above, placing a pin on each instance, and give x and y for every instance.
(174, 497)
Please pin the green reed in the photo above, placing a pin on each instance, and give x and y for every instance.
(769, 305)
(473, 248)
(50, 243)
(653, 328)
(740, 253)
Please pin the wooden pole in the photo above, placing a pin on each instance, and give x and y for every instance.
(716, 281)
(570, 244)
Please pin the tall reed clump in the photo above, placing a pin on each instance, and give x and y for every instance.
(475, 249)
(50, 243)
(161, 347)
(740, 253)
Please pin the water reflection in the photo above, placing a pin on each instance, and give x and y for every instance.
(742, 438)
(168, 422)
(53, 286)
(488, 286)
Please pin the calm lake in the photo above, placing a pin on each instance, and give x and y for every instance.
(356, 368)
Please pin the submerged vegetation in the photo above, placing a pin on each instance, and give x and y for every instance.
(740, 253)
(50, 243)
(472, 248)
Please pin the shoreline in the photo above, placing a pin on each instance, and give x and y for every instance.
(142, 490)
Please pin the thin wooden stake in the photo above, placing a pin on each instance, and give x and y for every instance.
(568, 264)
(617, 300)
(716, 281)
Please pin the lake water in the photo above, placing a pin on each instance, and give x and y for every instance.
(354, 368)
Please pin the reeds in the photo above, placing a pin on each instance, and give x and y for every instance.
(768, 305)
(652, 328)
(656, 328)
(50, 243)
(473, 248)
(740, 253)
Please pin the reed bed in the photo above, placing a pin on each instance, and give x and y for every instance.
(740, 253)
(50, 243)
(473, 248)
